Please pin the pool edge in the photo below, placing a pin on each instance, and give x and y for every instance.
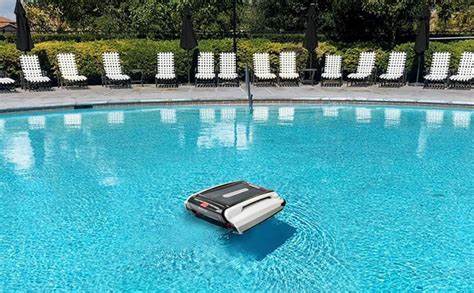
(261, 101)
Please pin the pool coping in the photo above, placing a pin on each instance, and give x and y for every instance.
(260, 101)
(149, 95)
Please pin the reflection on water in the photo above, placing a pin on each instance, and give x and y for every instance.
(422, 139)
(392, 117)
(434, 118)
(221, 134)
(233, 132)
(168, 116)
(260, 114)
(330, 111)
(72, 120)
(461, 119)
(18, 151)
(259, 241)
(226, 134)
(238, 133)
(230, 131)
(37, 122)
(227, 114)
(286, 114)
(116, 117)
(363, 115)
(207, 115)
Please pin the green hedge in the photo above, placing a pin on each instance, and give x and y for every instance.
(45, 37)
(89, 37)
(141, 54)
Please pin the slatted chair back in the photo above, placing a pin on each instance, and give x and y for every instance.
(206, 63)
(333, 64)
(165, 63)
(287, 62)
(440, 64)
(366, 63)
(112, 63)
(466, 65)
(261, 63)
(67, 64)
(30, 66)
(396, 63)
(227, 63)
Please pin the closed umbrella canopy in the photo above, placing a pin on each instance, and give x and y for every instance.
(311, 38)
(422, 39)
(423, 31)
(23, 34)
(188, 38)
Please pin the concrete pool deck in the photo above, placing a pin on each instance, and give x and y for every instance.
(97, 95)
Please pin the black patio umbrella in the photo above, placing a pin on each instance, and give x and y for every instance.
(422, 39)
(311, 38)
(188, 38)
(23, 34)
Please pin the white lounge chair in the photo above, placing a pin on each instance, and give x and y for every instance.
(396, 73)
(365, 69)
(6, 83)
(439, 70)
(205, 74)
(465, 76)
(113, 74)
(262, 72)
(288, 74)
(166, 74)
(32, 77)
(228, 70)
(332, 74)
(68, 73)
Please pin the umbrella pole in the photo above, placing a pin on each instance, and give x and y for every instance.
(189, 71)
(418, 69)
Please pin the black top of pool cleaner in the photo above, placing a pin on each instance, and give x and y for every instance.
(232, 193)
(240, 205)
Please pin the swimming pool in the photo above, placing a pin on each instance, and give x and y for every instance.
(378, 197)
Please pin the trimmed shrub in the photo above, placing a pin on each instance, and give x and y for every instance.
(141, 54)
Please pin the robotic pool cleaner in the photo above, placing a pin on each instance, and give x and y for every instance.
(237, 205)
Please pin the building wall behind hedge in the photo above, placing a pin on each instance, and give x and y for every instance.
(141, 54)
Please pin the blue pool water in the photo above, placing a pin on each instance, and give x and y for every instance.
(378, 198)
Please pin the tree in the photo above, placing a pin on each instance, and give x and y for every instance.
(383, 21)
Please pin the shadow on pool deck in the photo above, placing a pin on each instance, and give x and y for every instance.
(261, 240)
